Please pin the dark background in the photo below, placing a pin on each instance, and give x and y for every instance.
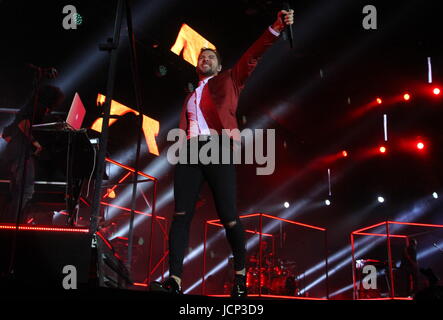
(306, 94)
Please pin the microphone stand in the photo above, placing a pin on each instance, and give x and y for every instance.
(138, 97)
(111, 46)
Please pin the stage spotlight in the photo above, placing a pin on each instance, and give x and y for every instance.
(382, 149)
(420, 145)
(381, 199)
(286, 204)
(436, 91)
(344, 153)
(328, 202)
(435, 195)
(406, 96)
(379, 100)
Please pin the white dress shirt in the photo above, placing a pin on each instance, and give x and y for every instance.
(197, 123)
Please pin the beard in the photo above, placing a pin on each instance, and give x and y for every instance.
(207, 73)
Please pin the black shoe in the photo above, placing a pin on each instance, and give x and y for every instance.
(239, 289)
(168, 286)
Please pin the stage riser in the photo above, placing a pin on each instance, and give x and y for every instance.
(40, 257)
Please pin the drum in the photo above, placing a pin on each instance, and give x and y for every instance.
(254, 281)
(282, 280)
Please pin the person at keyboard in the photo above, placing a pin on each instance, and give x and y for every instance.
(22, 148)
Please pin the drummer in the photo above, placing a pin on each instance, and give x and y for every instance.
(267, 255)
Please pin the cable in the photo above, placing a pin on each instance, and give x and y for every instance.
(92, 172)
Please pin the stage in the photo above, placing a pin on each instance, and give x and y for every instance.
(297, 143)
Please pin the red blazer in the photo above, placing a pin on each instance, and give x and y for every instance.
(221, 93)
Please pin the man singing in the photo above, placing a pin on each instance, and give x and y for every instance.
(212, 106)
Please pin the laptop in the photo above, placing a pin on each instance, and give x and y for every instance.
(74, 120)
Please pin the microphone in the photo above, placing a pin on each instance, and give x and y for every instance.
(289, 34)
(50, 73)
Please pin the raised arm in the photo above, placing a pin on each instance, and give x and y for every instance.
(247, 63)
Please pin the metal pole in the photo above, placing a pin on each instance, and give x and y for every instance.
(204, 259)
(165, 247)
(260, 254)
(151, 235)
(353, 267)
(273, 251)
(391, 274)
(138, 98)
(111, 46)
(326, 265)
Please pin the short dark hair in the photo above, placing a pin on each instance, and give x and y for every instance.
(50, 96)
(217, 54)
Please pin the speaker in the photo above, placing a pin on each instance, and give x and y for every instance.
(45, 257)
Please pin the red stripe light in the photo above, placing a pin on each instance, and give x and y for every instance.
(268, 296)
(131, 169)
(294, 222)
(214, 222)
(359, 231)
(129, 210)
(43, 228)
(115, 186)
(386, 299)
(370, 227)
(138, 284)
(105, 240)
(379, 234)
(417, 224)
(246, 230)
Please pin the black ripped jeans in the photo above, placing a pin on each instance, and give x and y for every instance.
(188, 180)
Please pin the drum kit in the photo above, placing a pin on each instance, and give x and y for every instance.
(275, 276)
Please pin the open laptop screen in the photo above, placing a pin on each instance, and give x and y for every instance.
(76, 113)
